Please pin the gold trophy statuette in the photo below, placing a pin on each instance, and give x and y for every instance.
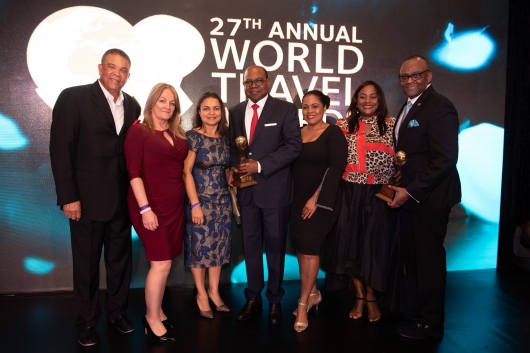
(242, 182)
(386, 194)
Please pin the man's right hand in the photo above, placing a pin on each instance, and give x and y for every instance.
(73, 210)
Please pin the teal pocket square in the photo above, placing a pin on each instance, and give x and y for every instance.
(413, 123)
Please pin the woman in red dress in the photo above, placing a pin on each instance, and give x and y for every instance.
(155, 151)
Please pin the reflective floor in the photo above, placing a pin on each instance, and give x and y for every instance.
(486, 311)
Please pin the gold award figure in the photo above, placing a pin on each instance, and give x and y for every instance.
(248, 180)
(386, 194)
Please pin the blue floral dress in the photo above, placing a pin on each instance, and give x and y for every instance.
(209, 245)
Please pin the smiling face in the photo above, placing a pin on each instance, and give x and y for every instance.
(210, 112)
(312, 109)
(367, 101)
(113, 73)
(255, 92)
(411, 87)
(164, 107)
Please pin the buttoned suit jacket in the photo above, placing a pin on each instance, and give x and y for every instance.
(86, 152)
(276, 144)
(429, 137)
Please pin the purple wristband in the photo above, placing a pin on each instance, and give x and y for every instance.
(195, 205)
(144, 207)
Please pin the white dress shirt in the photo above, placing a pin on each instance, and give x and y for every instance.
(249, 113)
(117, 110)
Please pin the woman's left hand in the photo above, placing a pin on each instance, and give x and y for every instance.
(197, 216)
(309, 208)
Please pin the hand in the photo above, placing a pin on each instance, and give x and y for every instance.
(251, 167)
(197, 216)
(73, 210)
(231, 176)
(309, 208)
(401, 197)
(149, 220)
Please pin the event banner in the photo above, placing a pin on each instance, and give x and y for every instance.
(200, 46)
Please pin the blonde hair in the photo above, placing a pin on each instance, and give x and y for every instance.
(174, 121)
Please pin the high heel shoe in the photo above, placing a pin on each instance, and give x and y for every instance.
(301, 326)
(221, 307)
(370, 320)
(315, 304)
(358, 317)
(165, 338)
(167, 323)
(207, 313)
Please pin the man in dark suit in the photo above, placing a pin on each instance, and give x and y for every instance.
(89, 124)
(272, 129)
(427, 131)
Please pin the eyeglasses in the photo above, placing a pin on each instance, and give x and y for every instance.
(258, 82)
(415, 76)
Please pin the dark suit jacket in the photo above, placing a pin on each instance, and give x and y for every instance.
(276, 144)
(86, 153)
(430, 174)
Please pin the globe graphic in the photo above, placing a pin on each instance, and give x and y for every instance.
(66, 47)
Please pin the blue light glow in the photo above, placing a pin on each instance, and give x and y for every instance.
(480, 169)
(466, 51)
(314, 9)
(11, 138)
(38, 266)
(134, 235)
(291, 272)
(311, 24)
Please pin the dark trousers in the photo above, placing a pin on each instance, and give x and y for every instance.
(88, 239)
(269, 226)
(423, 253)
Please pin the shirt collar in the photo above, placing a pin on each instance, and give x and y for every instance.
(413, 100)
(107, 94)
(261, 102)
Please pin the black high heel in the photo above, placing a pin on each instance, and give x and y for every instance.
(167, 323)
(165, 338)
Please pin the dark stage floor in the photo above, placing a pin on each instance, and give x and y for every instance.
(487, 311)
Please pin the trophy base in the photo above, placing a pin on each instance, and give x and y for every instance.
(244, 182)
(386, 194)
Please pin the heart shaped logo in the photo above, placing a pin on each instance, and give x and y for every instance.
(66, 47)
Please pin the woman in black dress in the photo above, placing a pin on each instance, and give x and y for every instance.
(316, 173)
(358, 248)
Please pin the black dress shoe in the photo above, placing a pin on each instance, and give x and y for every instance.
(251, 308)
(419, 330)
(122, 324)
(87, 337)
(275, 313)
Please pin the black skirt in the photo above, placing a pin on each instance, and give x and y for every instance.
(362, 239)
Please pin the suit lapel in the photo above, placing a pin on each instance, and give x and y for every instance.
(101, 102)
(128, 112)
(265, 116)
(414, 109)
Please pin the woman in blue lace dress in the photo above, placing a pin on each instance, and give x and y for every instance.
(209, 215)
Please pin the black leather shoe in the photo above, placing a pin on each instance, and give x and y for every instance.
(420, 330)
(275, 313)
(249, 310)
(122, 324)
(87, 337)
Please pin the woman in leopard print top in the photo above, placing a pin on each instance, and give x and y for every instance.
(358, 248)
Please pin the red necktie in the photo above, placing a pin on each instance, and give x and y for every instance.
(253, 123)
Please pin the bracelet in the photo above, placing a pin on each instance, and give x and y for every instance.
(195, 205)
(145, 210)
(144, 207)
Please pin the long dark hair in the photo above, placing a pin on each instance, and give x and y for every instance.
(353, 115)
(222, 127)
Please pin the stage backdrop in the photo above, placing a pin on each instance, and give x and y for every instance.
(198, 46)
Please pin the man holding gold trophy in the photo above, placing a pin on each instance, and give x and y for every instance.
(264, 141)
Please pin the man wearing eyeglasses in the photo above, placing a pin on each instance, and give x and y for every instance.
(427, 131)
(272, 129)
